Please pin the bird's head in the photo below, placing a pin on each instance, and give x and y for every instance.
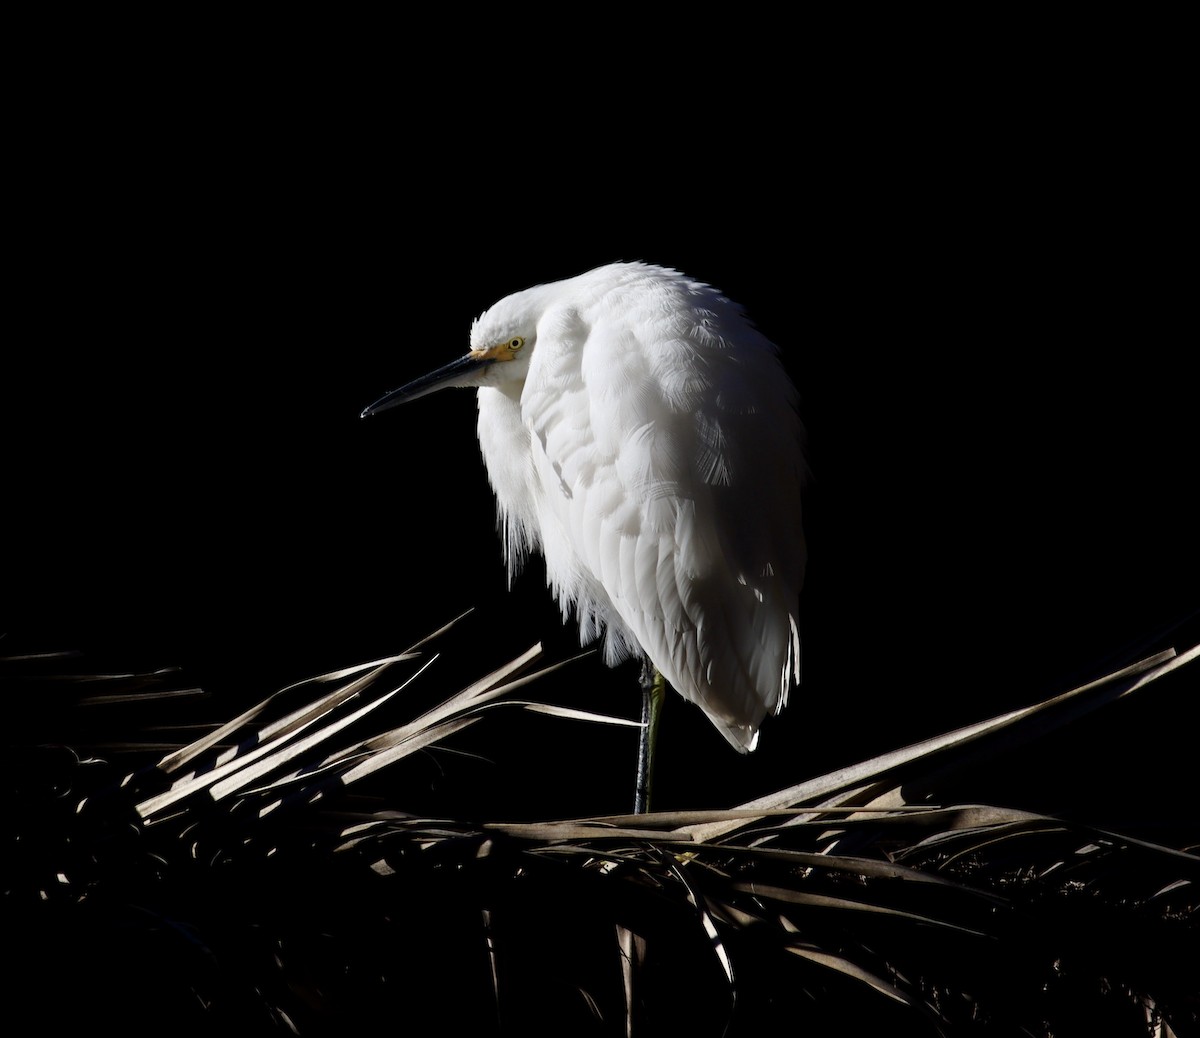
(502, 342)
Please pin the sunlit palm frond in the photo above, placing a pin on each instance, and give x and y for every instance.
(263, 875)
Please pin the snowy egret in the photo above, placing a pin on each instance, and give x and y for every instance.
(642, 435)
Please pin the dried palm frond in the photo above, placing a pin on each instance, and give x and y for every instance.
(263, 875)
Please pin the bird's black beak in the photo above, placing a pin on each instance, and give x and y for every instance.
(462, 372)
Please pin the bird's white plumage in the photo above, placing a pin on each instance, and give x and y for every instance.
(645, 439)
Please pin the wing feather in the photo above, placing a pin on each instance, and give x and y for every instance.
(669, 461)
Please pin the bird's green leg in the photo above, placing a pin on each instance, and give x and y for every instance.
(654, 692)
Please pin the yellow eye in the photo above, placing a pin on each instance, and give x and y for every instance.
(516, 342)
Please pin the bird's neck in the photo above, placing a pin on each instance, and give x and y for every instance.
(504, 441)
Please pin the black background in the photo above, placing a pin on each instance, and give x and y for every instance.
(976, 286)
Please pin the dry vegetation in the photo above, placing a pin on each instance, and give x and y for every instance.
(162, 874)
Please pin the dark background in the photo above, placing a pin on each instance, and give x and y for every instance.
(975, 286)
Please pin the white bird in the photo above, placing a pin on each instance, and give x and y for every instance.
(642, 435)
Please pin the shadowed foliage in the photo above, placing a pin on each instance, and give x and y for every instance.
(166, 870)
